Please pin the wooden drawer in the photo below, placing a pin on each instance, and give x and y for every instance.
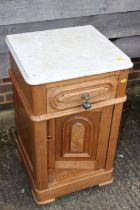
(69, 96)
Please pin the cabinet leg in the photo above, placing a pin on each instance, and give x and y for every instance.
(105, 183)
(42, 202)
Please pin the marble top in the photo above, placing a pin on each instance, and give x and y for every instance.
(62, 54)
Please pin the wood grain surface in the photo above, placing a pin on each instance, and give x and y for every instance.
(74, 149)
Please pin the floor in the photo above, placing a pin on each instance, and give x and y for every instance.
(123, 193)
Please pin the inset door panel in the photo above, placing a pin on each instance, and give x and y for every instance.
(76, 136)
(80, 139)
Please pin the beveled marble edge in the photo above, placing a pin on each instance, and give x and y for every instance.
(42, 80)
(25, 76)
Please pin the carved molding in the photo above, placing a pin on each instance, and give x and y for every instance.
(67, 97)
(78, 133)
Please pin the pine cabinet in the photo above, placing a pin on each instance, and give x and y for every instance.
(65, 147)
(69, 88)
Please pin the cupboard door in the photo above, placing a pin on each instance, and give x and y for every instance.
(80, 140)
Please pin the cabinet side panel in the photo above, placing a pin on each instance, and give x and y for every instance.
(113, 135)
(32, 145)
(25, 88)
(121, 89)
(24, 128)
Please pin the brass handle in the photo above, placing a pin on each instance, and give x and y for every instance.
(86, 104)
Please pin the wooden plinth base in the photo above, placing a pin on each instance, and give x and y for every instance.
(106, 183)
(64, 186)
(95, 178)
(42, 202)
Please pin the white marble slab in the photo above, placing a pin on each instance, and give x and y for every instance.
(61, 54)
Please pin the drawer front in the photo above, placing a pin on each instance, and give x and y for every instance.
(70, 96)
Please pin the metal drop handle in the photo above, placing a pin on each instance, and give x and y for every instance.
(86, 104)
